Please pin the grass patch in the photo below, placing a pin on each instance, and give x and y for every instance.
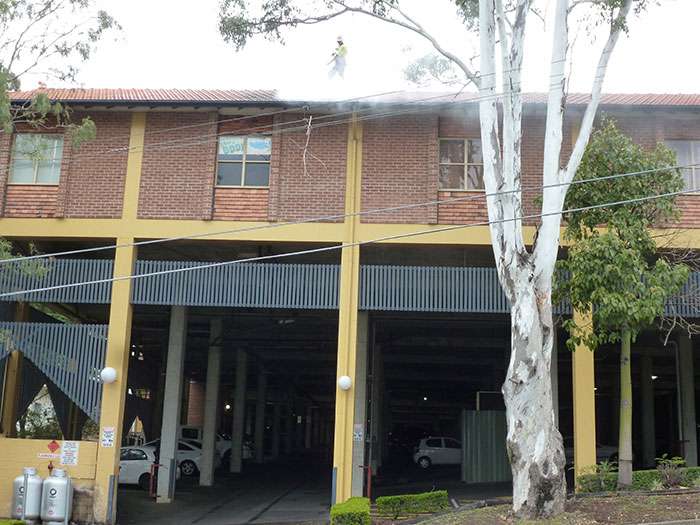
(629, 509)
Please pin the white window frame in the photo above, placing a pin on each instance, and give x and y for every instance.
(694, 170)
(466, 163)
(35, 174)
(244, 161)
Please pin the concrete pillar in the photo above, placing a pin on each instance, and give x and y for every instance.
(307, 426)
(172, 399)
(584, 402)
(377, 408)
(360, 412)
(687, 401)
(290, 423)
(260, 417)
(276, 430)
(648, 417)
(554, 372)
(299, 425)
(211, 402)
(238, 411)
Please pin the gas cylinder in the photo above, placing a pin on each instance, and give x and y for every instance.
(27, 488)
(57, 498)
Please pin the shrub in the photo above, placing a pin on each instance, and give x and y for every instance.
(11, 522)
(670, 470)
(395, 506)
(354, 511)
(641, 480)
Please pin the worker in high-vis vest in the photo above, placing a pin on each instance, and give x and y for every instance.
(338, 59)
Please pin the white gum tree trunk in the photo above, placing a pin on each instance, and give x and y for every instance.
(534, 443)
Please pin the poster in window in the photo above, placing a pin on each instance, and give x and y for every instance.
(258, 146)
(231, 146)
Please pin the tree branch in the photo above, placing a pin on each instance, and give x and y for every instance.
(414, 26)
(592, 108)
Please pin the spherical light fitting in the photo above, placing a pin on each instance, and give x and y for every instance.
(345, 383)
(108, 375)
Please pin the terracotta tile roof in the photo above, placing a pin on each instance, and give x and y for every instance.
(223, 97)
(152, 96)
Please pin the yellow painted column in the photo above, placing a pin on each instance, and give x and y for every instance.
(113, 395)
(13, 381)
(584, 402)
(347, 319)
(118, 338)
(133, 167)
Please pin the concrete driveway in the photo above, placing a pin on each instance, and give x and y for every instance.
(264, 494)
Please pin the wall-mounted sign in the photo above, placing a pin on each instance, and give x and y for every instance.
(107, 438)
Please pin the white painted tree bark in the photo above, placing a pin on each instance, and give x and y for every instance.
(534, 443)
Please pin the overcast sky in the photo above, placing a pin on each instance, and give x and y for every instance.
(176, 43)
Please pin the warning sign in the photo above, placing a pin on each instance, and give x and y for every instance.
(107, 439)
(53, 446)
(70, 452)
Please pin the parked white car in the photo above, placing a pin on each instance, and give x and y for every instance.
(189, 456)
(223, 442)
(135, 466)
(437, 451)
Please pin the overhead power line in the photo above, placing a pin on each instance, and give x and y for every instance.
(262, 129)
(327, 218)
(348, 245)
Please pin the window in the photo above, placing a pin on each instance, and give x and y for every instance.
(132, 454)
(184, 446)
(452, 443)
(36, 159)
(461, 165)
(243, 161)
(687, 152)
(433, 443)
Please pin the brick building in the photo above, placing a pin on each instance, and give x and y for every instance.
(234, 180)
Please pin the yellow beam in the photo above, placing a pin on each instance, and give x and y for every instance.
(347, 319)
(308, 232)
(113, 395)
(584, 402)
(134, 160)
(161, 228)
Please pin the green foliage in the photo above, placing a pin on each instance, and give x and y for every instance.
(432, 67)
(52, 35)
(613, 263)
(405, 504)
(641, 480)
(39, 421)
(598, 478)
(239, 21)
(354, 511)
(670, 473)
(11, 522)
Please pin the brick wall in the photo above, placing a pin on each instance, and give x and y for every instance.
(195, 404)
(5, 148)
(318, 191)
(178, 171)
(241, 204)
(92, 176)
(30, 200)
(399, 166)
(96, 171)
